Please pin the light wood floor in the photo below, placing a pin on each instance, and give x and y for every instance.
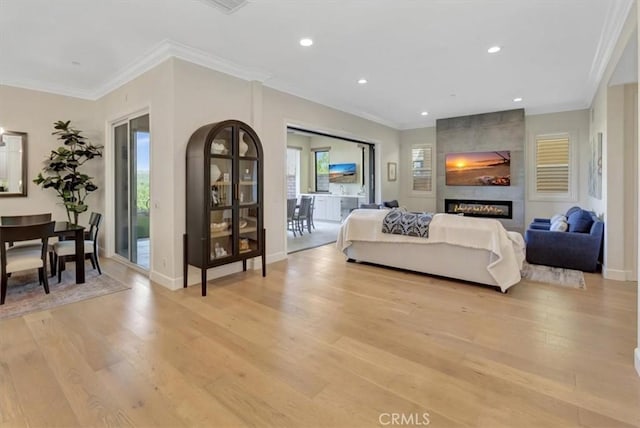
(321, 342)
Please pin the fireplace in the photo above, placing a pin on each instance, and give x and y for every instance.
(477, 208)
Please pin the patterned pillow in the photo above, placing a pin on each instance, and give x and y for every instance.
(406, 223)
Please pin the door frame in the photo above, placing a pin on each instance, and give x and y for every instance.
(109, 186)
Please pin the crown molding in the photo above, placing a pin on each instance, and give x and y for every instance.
(611, 32)
(279, 86)
(155, 56)
(48, 87)
(170, 49)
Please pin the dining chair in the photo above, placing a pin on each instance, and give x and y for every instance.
(24, 220)
(291, 213)
(302, 215)
(67, 249)
(311, 208)
(24, 257)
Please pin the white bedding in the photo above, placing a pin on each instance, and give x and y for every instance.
(505, 249)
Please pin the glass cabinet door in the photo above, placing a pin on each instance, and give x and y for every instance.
(221, 199)
(248, 198)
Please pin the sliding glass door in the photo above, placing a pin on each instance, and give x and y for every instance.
(132, 150)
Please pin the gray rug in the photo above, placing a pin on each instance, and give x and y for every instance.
(553, 275)
(25, 295)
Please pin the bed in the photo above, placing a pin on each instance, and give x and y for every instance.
(467, 248)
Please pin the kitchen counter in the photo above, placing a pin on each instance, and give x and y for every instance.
(334, 207)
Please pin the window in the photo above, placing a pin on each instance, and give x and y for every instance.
(421, 168)
(293, 172)
(322, 170)
(553, 168)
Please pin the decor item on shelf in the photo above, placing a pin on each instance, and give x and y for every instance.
(247, 175)
(62, 169)
(243, 146)
(215, 172)
(218, 147)
(243, 224)
(244, 244)
(219, 227)
(219, 251)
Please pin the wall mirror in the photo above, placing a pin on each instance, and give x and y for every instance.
(13, 164)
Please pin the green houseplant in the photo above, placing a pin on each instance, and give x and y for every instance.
(62, 169)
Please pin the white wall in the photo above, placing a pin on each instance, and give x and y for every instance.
(34, 112)
(577, 124)
(607, 117)
(150, 92)
(406, 197)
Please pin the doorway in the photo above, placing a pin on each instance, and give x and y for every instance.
(132, 146)
(336, 173)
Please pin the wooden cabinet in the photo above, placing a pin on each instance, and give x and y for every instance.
(224, 198)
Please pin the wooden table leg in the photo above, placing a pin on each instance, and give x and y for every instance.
(79, 237)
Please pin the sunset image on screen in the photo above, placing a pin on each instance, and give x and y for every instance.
(478, 169)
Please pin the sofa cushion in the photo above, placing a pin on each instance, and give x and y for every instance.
(558, 217)
(559, 225)
(580, 221)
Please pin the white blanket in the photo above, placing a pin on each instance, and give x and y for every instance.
(507, 248)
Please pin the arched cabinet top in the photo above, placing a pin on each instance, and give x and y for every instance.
(226, 138)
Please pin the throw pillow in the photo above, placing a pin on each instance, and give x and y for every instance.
(391, 204)
(559, 226)
(558, 217)
(580, 221)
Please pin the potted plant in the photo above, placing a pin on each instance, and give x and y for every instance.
(62, 169)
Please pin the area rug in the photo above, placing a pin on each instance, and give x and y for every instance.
(25, 295)
(553, 275)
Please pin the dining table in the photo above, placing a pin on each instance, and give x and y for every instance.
(65, 230)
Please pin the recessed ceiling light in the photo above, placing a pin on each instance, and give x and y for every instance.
(362, 81)
(517, 99)
(306, 42)
(75, 63)
(425, 113)
(494, 49)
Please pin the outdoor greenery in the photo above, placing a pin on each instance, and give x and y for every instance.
(142, 203)
(62, 169)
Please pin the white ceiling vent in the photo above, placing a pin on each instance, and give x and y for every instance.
(227, 6)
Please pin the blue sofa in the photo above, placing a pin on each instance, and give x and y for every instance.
(578, 248)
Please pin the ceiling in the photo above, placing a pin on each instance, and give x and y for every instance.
(417, 55)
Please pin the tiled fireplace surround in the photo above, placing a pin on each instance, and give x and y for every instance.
(504, 130)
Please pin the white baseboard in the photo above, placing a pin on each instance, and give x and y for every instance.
(637, 360)
(165, 281)
(615, 274)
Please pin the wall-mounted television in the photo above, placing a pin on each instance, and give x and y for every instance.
(478, 168)
(342, 173)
